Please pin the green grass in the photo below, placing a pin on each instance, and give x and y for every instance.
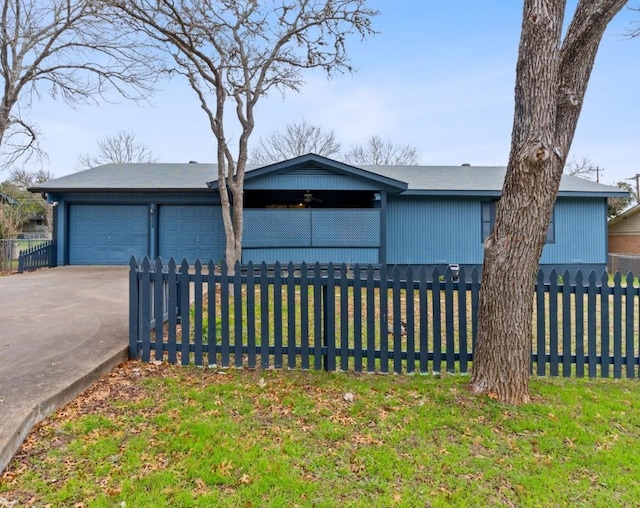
(151, 436)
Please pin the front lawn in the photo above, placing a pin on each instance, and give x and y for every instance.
(154, 435)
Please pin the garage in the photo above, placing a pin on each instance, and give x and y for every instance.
(107, 234)
(190, 231)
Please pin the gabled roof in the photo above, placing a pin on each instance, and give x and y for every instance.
(312, 160)
(407, 180)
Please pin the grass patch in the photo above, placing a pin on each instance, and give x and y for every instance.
(154, 435)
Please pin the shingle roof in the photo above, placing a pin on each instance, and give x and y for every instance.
(136, 177)
(444, 180)
(475, 179)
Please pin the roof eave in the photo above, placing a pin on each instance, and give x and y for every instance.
(451, 192)
(112, 189)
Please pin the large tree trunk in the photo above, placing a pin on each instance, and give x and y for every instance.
(551, 80)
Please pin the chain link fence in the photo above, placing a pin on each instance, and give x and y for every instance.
(10, 251)
(624, 264)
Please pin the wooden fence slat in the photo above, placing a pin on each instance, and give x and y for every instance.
(449, 330)
(237, 316)
(553, 324)
(145, 304)
(410, 323)
(629, 328)
(605, 355)
(475, 302)
(540, 326)
(579, 324)
(329, 332)
(371, 325)
(225, 332)
(398, 323)
(566, 325)
(424, 320)
(251, 317)
(172, 312)
(344, 319)
(437, 322)
(185, 315)
(291, 317)
(265, 337)
(212, 320)
(277, 316)
(592, 310)
(462, 321)
(617, 326)
(357, 318)
(384, 321)
(318, 317)
(197, 314)
(158, 308)
(304, 315)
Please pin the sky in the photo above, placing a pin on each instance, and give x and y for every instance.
(439, 76)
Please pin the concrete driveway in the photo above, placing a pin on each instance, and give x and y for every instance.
(60, 330)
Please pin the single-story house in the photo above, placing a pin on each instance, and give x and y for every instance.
(312, 208)
(624, 233)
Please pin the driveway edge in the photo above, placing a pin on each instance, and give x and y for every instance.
(50, 405)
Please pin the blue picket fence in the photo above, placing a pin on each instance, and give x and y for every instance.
(369, 318)
(42, 255)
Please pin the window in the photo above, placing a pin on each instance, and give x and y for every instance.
(489, 219)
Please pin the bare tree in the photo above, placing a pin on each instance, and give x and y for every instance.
(552, 74)
(237, 51)
(23, 178)
(297, 139)
(381, 152)
(68, 49)
(120, 148)
(583, 168)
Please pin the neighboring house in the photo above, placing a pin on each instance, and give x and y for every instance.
(624, 233)
(36, 227)
(311, 208)
(4, 199)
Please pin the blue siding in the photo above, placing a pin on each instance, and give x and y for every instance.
(192, 232)
(448, 230)
(311, 255)
(580, 233)
(311, 180)
(107, 234)
(427, 230)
